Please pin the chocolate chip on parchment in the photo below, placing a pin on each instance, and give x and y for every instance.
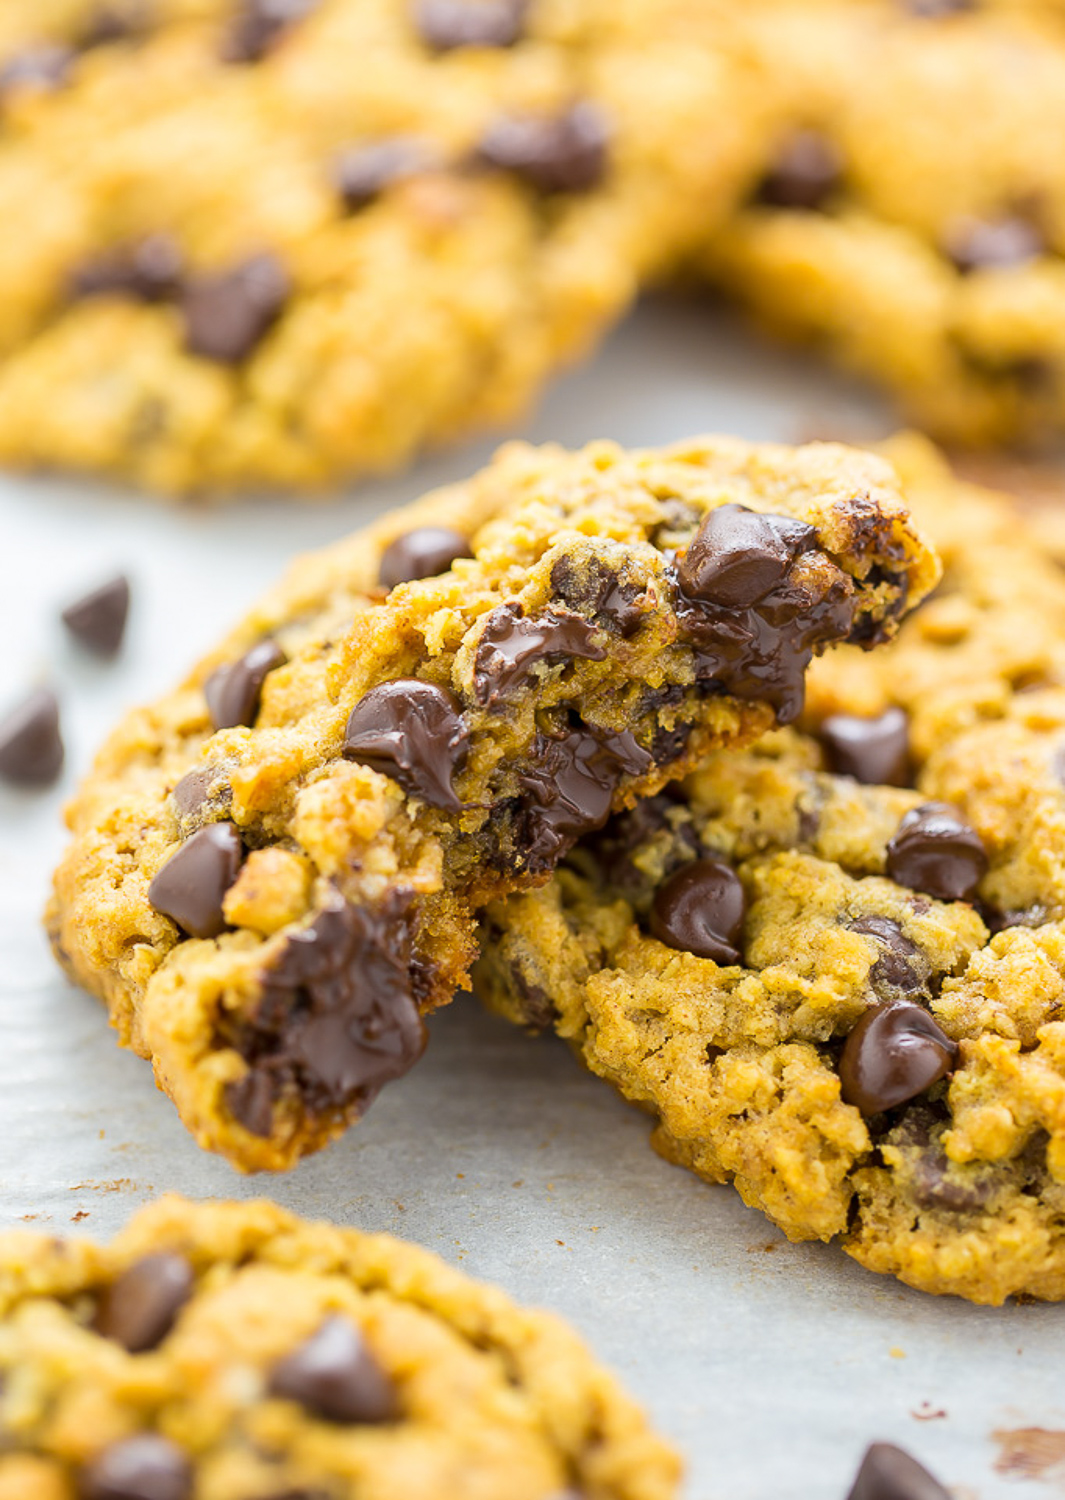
(362, 173)
(191, 886)
(445, 25)
(564, 153)
(512, 644)
(807, 171)
(875, 751)
(98, 619)
(700, 910)
(31, 746)
(569, 787)
(413, 732)
(138, 1309)
(144, 1467)
(423, 553)
(894, 969)
(335, 1376)
(895, 1052)
(148, 271)
(234, 690)
(228, 313)
(936, 851)
(43, 67)
(738, 555)
(986, 244)
(889, 1473)
(258, 25)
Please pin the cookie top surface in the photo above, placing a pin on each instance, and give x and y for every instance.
(232, 1349)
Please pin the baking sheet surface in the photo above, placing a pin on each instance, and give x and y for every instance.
(771, 1365)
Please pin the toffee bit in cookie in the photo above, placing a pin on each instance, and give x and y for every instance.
(895, 1053)
(564, 153)
(144, 1467)
(807, 172)
(875, 751)
(700, 910)
(259, 25)
(413, 732)
(148, 271)
(738, 555)
(445, 25)
(362, 173)
(139, 1308)
(334, 1376)
(936, 851)
(228, 314)
(234, 691)
(423, 553)
(191, 886)
(992, 244)
(511, 645)
(894, 969)
(31, 746)
(37, 68)
(569, 788)
(98, 620)
(889, 1473)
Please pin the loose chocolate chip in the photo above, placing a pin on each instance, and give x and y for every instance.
(138, 1309)
(228, 314)
(984, 244)
(738, 555)
(334, 1376)
(99, 619)
(887, 1473)
(43, 67)
(422, 553)
(895, 1052)
(31, 747)
(937, 852)
(569, 787)
(700, 910)
(362, 173)
(445, 25)
(191, 886)
(149, 271)
(875, 751)
(337, 1019)
(808, 170)
(595, 589)
(234, 691)
(145, 1467)
(413, 732)
(260, 24)
(894, 969)
(511, 645)
(564, 153)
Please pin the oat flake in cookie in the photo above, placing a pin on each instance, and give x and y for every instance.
(275, 870)
(230, 1349)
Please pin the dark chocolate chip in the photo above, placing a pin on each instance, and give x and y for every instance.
(99, 618)
(145, 1467)
(894, 969)
(738, 555)
(888, 1473)
(149, 271)
(191, 886)
(595, 589)
(564, 153)
(807, 171)
(228, 314)
(138, 1309)
(259, 25)
(110, 24)
(412, 731)
(511, 645)
(197, 789)
(936, 851)
(445, 25)
(334, 1376)
(569, 788)
(895, 1052)
(362, 173)
(31, 747)
(337, 1019)
(938, 1185)
(234, 691)
(700, 910)
(984, 244)
(423, 553)
(42, 67)
(933, 10)
(875, 751)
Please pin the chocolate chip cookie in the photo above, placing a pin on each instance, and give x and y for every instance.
(230, 1349)
(275, 869)
(833, 965)
(281, 242)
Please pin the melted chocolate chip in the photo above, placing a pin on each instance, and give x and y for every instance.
(511, 645)
(98, 619)
(569, 788)
(894, 1053)
(564, 153)
(234, 691)
(700, 910)
(423, 553)
(807, 172)
(44, 67)
(362, 173)
(937, 852)
(875, 751)
(595, 589)
(110, 24)
(139, 1308)
(445, 25)
(145, 1467)
(148, 271)
(228, 314)
(939, 1186)
(334, 1376)
(337, 1019)
(413, 732)
(985, 244)
(888, 1473)
(894, 970)
(191, 886)
(259, 25)
(738, 555)
(31, 746)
